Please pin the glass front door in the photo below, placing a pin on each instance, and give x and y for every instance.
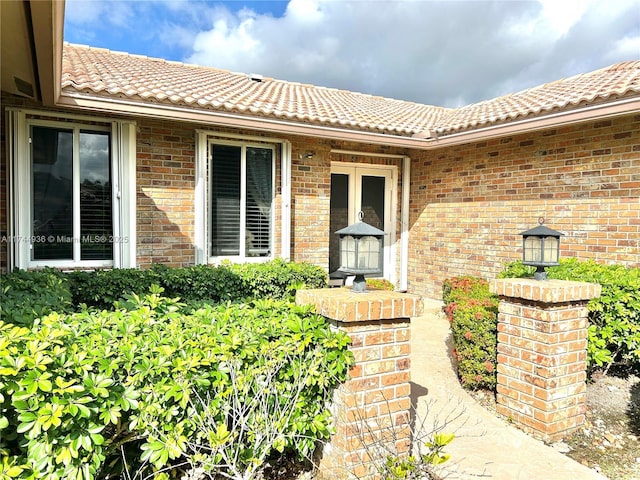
(355, 189)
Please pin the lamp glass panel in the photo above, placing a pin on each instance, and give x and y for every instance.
(368, 253)
(348, 252)
(532, 249)
(550, 249)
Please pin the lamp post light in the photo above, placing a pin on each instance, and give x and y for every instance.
(361, 249)
(541, 248)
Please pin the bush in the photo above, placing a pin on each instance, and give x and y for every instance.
(25, 296)
(614, 317)
(102, 288)
(276, 279)
(473, 314)
(82, 392)
(201, 282)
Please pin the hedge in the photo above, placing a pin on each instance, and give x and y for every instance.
(472, 312)
(147, 382)
(26, 295)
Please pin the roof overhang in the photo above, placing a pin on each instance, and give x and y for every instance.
(123, 106)
(31, 48)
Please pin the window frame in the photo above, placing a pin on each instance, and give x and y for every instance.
(20, 192)
(76, 128)
(242, 256)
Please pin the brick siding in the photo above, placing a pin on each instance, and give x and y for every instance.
(372, 408)
(469, 202)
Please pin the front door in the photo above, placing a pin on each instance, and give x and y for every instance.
(362, 188)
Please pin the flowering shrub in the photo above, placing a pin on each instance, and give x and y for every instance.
(472, 312)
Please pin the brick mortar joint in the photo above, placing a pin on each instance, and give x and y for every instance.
(541, 305)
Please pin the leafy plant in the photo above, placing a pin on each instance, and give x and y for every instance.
(473, 314)
(78, 390)
(614, 317)
(27, 295)
(379, 284)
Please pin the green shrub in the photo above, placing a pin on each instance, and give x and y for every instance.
(201, 282)
(27, 295)
(278, 278)
(379, 284)
(473, 314)
(79, 392)
(614, 317)
(102, 288)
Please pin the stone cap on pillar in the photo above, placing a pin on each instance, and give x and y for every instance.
(344, 305)
(545, 291)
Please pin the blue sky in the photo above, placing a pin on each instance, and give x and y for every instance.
(446, 53)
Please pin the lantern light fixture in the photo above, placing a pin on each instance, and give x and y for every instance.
(361, 252)
(541, 248)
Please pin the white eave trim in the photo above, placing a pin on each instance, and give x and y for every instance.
(128, 107)
(583, 114)
(123, 106)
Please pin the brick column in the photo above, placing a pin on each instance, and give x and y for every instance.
(375, 401)
(542, 353)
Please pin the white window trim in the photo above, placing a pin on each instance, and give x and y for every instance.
(204, 138)
(123, 165)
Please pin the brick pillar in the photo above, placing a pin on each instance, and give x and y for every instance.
(542, 353)
(375, 401)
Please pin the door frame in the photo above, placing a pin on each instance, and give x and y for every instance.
(390, 173)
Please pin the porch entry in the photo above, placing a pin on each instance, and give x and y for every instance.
(361, 188)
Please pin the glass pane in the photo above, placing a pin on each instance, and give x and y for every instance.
(52, 190)
(372, 204)
(550, 249)
(369, 254)
(532, 249)
(225, 200)
(339, 216)
(96, 224)
(258, 202)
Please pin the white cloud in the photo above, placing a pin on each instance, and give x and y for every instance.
(444, 53)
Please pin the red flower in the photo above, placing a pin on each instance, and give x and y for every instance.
(468, 335)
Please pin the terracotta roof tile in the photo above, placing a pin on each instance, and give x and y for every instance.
(102, 73)
(622, 79)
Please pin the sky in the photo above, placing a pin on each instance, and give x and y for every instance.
(445, 53)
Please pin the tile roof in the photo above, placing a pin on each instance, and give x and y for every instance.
(103, 73)
(616, 81)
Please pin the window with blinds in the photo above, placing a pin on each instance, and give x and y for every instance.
(242, 192)
(71, 207)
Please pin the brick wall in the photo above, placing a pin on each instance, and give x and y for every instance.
(542, 354)
(165, 181)
(469, 202)
(372, 408)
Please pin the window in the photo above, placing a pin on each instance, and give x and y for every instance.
(72, 189)
(241, 200)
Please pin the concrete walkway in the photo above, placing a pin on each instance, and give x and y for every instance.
(485, 446)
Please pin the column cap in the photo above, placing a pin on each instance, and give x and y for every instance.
(546, 291)
(344, 305)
